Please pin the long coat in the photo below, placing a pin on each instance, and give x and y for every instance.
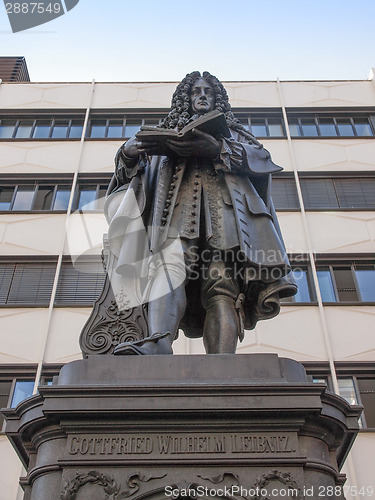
(148, 194)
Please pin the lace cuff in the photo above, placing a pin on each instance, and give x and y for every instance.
(230, 155)
(127, 168)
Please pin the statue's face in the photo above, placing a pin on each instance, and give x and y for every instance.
(202, 97)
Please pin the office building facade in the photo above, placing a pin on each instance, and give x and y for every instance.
(57, 145)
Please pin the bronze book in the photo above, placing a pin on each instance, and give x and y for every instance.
(213, 123)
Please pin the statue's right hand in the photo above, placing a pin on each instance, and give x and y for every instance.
(131, 148)
(134, 147)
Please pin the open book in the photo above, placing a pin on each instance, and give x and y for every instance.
(213, 123)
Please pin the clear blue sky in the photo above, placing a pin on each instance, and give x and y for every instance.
(158, 40)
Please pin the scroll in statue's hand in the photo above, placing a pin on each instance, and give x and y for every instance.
(199, 144)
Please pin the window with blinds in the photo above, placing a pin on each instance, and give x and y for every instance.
(26, 283)
(30, 284)
(335, 193)
(284, 193)
(79, 284)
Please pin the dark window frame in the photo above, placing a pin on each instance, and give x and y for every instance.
(301, 261)
(344, 260)
(11, 373)
(267, 115)
(36, 182)
(364, 370)
(143, 118)
(289, 177)
(101, 182)
(335, 177)
(298, 115)
(38, 117)
(85, 289)
(330, 261)
(65, 292)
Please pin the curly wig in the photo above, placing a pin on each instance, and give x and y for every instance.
(179, 114)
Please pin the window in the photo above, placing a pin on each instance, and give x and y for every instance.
(133, 126)
(60, 129)
(52, 127)
(304, 282)
(36, 196)
(339, 282)
(366, 387)
(17, 383)
(338, 193)
(22, 389)
(359, 390)
(356, 382)
(80, 284)
(90, 196)
(23, 129)
(119, 127)
(5, 387)
(263, 126)
(25, 284)
(284, 193)
(316, 125)
(353, 282)
(97, 128)
(7, 128)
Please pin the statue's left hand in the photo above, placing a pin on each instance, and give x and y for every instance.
(200, 145)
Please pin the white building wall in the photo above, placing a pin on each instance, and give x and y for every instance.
(50, 335)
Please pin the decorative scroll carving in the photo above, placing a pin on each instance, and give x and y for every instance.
(106, 481)
(220, 478)
(133, 483)
(284, 478)
(112, 328)
(107, 325)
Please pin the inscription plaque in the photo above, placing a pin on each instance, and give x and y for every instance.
(165, 446)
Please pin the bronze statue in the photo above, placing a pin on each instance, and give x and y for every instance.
(193, 217)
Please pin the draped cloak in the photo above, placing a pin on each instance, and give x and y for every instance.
(160, 193)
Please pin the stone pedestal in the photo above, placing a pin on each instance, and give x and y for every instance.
(230, 426)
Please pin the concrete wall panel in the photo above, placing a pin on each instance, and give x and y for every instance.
(351, 330)
(253, 94)
(280, 153)
(295, 333)
(133, 95)
(98, 156)
(21, 334)
(34, 157)
(328, 93)
(293, 232)
(65, 329)
(334, 155)
(84, 235)
(12, 470)
(24, 234)
(44, 95)
(363, 456)
(342, 231)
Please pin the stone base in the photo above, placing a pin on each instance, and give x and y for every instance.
(182, 426)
